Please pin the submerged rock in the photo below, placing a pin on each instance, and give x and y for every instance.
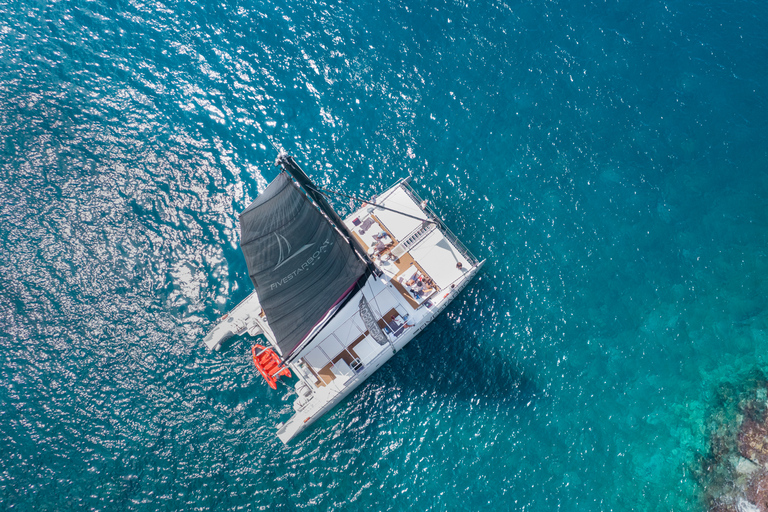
(753, 440)
(722, 506)
(746, 466)
(757, 491)
(735, 472)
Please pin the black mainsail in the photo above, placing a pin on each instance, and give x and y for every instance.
(299, 263)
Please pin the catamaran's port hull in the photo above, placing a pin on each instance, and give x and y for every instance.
(245, 317)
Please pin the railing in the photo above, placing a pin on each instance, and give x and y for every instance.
(461, 281)
(447, 232)
(413, 238)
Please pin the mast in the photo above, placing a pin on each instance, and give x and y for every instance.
(300, 263)
(290, 166)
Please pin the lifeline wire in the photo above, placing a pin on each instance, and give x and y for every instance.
(326, 192)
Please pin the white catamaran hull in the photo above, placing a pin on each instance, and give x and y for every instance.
(359, 289)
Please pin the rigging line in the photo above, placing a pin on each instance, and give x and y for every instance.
(269, 139)
(326, 192)
(273, 144)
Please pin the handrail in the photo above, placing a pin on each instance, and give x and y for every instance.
(413, 238)
(453, 283)
(447, 232)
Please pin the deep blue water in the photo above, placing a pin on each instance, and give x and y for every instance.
(607, 158)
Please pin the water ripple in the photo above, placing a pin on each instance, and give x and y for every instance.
(606, 160)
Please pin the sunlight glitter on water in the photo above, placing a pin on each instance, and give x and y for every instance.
(607, 160)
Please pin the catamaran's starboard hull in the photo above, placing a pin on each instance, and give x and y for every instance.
(317, 407)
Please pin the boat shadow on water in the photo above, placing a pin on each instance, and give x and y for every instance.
(428, 373)
(436, 369)
(464, 373)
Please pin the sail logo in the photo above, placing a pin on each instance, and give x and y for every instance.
(305, 265)
(285, 251)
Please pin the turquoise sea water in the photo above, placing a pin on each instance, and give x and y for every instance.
(608, 159)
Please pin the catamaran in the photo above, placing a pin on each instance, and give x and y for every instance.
(336, 298)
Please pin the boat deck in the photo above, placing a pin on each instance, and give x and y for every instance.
(407, 243)
(420, 263)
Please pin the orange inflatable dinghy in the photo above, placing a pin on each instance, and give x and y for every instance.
(268, 364)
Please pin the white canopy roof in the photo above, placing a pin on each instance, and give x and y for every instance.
(399, 225)
(438, 257)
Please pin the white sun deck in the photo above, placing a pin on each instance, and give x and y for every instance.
(440, 259)
(395, 222)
